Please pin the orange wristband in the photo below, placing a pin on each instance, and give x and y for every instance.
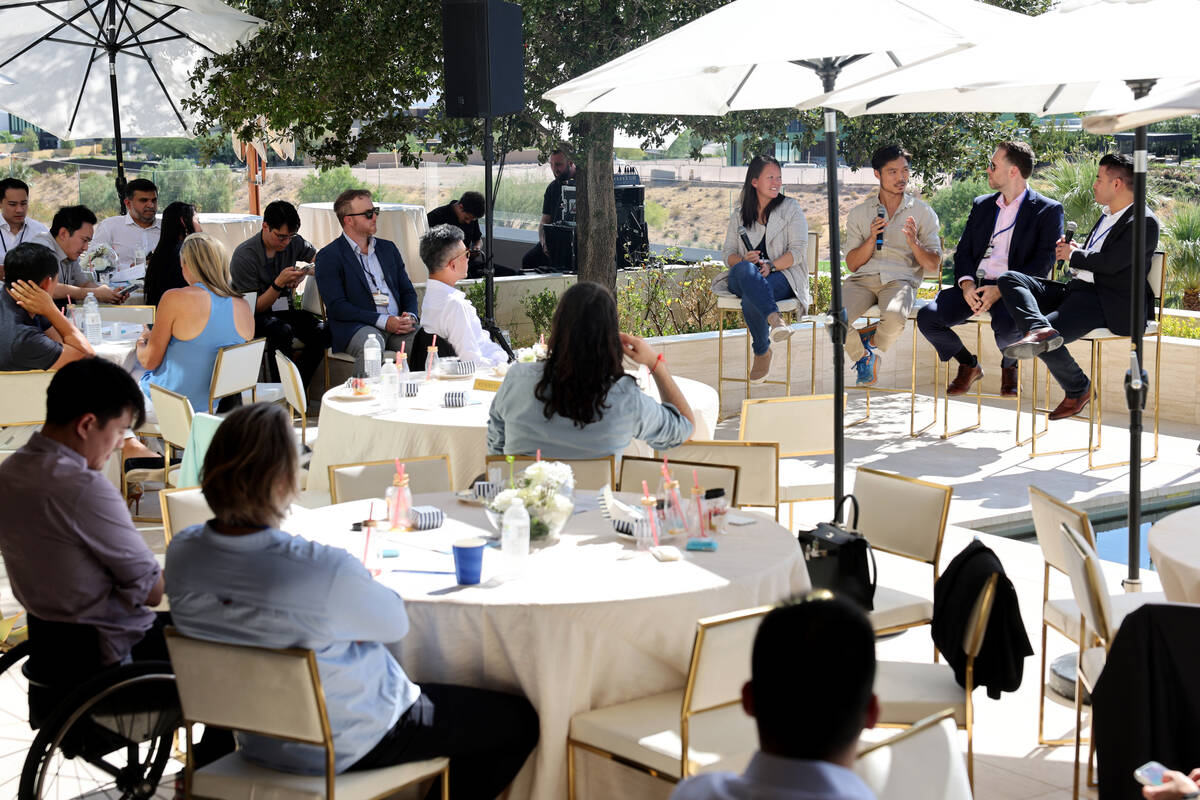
(656, 362)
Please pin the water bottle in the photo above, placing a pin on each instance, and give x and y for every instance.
(372, 356)
(91, 319)
(389, 385)
(514, 536)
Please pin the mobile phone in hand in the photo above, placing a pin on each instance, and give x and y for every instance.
(1149, 774)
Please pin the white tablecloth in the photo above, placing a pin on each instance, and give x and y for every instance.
(400, 223)
(591, 622)
(357, 430)
(120, 349)
(1175, 547)
(229, 229)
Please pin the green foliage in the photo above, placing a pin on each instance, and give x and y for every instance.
(540, 309)
(1069, 181)
(324, 186)
(654, 301)
(1180, 327)
(1182, 242)
(1174, 182)
(98, 192)
(477, 295)
(20, 169)
(163, 148)
(656, 214)
(629, 153)
(179, 179)
(518, 203)
(6, 137)
(30, 139)
(952, 205)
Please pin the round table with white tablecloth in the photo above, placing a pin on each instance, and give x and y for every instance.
(1174, 543)
(229, 229)
(352, 429)
(590, 622)
(397, 222)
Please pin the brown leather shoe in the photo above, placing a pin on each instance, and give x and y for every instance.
(1070, 406)
(759, 367)
(964, 380)
(1034, 343)
(1009, 376)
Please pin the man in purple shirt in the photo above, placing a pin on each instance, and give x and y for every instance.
(70, 549)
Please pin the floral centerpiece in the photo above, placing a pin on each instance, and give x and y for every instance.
(99, 261)
(529, 354)
(546, 488)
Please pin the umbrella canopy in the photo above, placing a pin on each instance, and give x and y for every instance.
(56, 51)
(712, 66)
(1077, 57)
(1162, 104)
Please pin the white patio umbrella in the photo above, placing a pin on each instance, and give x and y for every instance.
(1163, 104)
(1074, 58)
(99, 68)
(731, 59)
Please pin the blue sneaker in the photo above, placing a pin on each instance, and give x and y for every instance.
(867, 368)
(867, 336)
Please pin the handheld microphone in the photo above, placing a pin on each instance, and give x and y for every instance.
(745, 238)
(1067, 237)
(879, 236)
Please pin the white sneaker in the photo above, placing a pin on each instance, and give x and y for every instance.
(780, 333)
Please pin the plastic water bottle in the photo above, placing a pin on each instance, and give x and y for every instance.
(389, 385)
(372, 356)
(91, 319)
(514, 536)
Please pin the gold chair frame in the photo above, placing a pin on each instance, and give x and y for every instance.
(494, 458)
(333, 468)
(730, 443)
(685, 465)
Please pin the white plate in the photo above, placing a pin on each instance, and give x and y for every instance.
(468, 496)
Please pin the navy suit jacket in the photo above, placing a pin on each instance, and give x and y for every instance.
(1031, 249)
(346, 293)
(1111, 265)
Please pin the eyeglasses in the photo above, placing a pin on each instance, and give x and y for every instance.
(370, 213)
(283, 237)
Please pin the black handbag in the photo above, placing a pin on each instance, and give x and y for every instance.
(840, 559)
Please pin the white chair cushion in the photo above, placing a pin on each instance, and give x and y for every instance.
(874, 313)
(1091, 665)
(268, 392)
(646, 732)
(235, 778)
(1105, 333)
(340, 356)
(1063, 614)
(727, 300)
(800, 480)
(909, 692)
(894, 607)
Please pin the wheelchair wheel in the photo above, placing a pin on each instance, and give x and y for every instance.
(15, 733)
(109, 738)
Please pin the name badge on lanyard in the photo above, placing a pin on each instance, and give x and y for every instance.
(381, 299)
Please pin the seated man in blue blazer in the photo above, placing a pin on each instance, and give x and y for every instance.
(1013, 230)
(363, 282)
(1096, 296)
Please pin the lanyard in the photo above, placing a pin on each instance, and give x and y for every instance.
(375, 288)
(20, 236)
(1002, 230)
(1096, 236)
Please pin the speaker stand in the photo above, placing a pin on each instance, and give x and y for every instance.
(489, 268)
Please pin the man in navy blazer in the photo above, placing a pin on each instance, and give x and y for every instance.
(1097, 295)
(1013, 230)
(363, 281)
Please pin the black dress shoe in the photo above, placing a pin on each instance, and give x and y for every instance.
(1034, 343)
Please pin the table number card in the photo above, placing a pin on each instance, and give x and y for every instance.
(487, 385)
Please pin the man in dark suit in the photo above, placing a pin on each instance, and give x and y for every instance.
(1013, 230)
(1097, 295)
(363, 282)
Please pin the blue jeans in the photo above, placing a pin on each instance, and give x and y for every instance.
(758, 296)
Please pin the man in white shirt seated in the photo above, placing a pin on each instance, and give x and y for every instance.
(17, 228)
(809, 718)
(134, 233)
(445, 310)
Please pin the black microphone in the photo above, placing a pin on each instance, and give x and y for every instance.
(1067, 237)
(745, 238)
(879, 236)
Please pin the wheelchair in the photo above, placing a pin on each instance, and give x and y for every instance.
(92, 732)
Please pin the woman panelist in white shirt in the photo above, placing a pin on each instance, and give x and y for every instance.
(764, 248)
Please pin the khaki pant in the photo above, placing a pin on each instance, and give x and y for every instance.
(895, 300)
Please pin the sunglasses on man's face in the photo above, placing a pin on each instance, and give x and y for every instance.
(370, 213)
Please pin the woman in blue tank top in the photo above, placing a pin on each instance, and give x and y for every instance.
(193, 323)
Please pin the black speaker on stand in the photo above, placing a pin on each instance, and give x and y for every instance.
(485, 77)
(633, 239)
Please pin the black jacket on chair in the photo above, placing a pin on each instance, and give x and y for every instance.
(1001, 659)
(422, 341)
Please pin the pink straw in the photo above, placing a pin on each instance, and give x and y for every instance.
(399, 468)
(539, 454)
(699, 503)
(434, 341)
(650, 513)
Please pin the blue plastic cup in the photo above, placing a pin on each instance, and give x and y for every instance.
(468, 560)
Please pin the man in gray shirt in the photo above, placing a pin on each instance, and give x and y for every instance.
(68, 238)
(34, 334)
(266, 263)
(892, 242)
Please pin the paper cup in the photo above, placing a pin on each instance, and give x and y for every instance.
(468, 560)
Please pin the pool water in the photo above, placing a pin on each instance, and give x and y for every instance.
(1113, 544)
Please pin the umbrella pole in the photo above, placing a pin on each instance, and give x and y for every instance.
(489, 274)
(112, 89)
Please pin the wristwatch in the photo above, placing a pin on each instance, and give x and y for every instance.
(278, 288)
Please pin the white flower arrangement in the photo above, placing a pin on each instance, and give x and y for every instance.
(101, 258)
(530, 354)
(545, 487)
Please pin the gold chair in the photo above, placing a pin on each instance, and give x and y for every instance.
(312, 302)
(909, 692)
(757, 461)
(182, 508)
(274, 693)
(803, 426)
(590, 473)
(980, 321)
(905, 517)
(728, 303)
(1156, 279)
(662, 735)
(236, 371)
(365, 480)
(22, 406)
(293, 392)
(635, 469)
(923, 761)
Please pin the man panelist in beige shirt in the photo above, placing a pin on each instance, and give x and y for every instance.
(893, 243)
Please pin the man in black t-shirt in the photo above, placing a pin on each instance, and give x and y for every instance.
(564, 170)
(464, 214)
